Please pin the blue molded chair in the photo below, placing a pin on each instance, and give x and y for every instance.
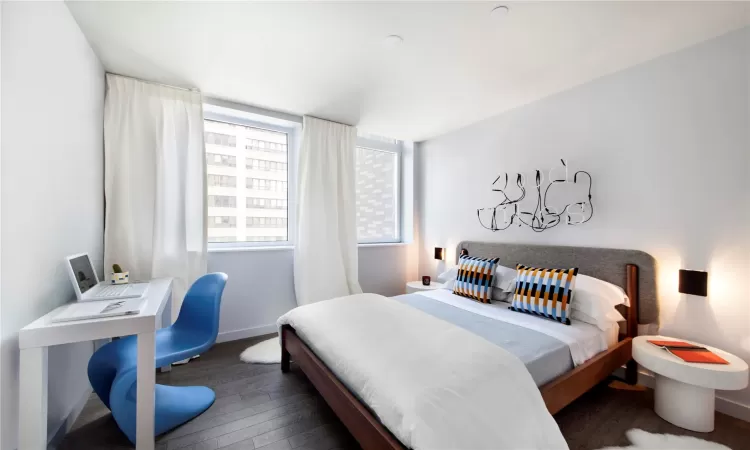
(112, 368)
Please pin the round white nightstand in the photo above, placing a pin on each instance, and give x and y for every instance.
(416, 286)
(684, 392)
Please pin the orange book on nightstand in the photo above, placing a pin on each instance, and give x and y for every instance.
(689, 352)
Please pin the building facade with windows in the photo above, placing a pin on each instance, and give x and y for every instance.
(247, 182)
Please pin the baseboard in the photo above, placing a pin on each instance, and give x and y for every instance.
(56, 438)
(247, 333)
(723, 405)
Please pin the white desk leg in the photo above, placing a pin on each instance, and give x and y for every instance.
(165, 321)
(144, 432)
(687, 406)
(32, 424)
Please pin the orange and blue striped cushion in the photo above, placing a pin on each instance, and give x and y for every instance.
(544, 292)
(474, 278)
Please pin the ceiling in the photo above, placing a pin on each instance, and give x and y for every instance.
(457, 64)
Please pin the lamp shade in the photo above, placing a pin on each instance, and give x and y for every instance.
(439, 253)
(693, 282)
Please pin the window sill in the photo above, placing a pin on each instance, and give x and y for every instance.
(291, 247)
(383, 244)
(269, 248)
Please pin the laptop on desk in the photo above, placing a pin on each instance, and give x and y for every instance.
(88, 288)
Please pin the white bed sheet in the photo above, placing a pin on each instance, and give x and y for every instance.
(584, 340)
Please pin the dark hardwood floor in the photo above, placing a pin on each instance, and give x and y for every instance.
(259, 407)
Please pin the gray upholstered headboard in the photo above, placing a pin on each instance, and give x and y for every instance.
(607, 264)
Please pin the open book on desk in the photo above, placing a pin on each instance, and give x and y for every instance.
(690, 352)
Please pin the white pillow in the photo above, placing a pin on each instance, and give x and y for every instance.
(614, 294)
(594, 301)
(603, 323)
(448, 275)
(505, 279)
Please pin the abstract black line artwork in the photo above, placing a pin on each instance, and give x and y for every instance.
(544, 216)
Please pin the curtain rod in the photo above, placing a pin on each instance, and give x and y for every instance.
(332, 121)
(154, 82)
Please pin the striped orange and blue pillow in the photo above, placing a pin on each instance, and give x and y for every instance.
(544, 292)
(474, 278)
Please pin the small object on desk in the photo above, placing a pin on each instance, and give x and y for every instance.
(426, 280)
(416, 286)
(689, 352)
(120, 278)
(684, 394)
(118, 275)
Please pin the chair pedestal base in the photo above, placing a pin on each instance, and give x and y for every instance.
(174, 405)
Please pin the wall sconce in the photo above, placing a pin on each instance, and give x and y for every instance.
(693, 282)
(439, 253)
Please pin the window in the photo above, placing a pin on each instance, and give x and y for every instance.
(224, 239)
(265, 146)
(265, 185)
(267, 203)
(263, 164)
(213, 138)
(222, 201)
(215, 159)
(377, 190)
(266, 222)
(253, 161)
(222, 222)
(222, 180)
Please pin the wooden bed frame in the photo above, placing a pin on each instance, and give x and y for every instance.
(557, 394)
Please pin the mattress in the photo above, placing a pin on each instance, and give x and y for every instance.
(548, 349)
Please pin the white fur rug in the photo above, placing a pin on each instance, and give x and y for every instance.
(651, 441)
(266, 352)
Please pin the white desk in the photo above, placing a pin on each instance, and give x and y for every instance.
(40, 334)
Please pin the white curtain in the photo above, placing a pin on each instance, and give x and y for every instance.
(154, 183)
(325, 253)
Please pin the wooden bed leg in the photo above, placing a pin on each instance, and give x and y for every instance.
(285, 356)
(631, 372)
(285, 359)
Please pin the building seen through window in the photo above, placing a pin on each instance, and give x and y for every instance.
(247, 183)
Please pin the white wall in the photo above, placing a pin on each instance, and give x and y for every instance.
(261, 283)
(668, 146)
(51, 186)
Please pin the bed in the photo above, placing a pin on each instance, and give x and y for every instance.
(564, 363)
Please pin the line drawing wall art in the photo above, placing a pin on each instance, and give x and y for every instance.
(544, 216)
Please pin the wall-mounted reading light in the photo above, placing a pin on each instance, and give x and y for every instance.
(439, 253)
(693, 282)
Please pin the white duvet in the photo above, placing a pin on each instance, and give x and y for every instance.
(432, 384)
